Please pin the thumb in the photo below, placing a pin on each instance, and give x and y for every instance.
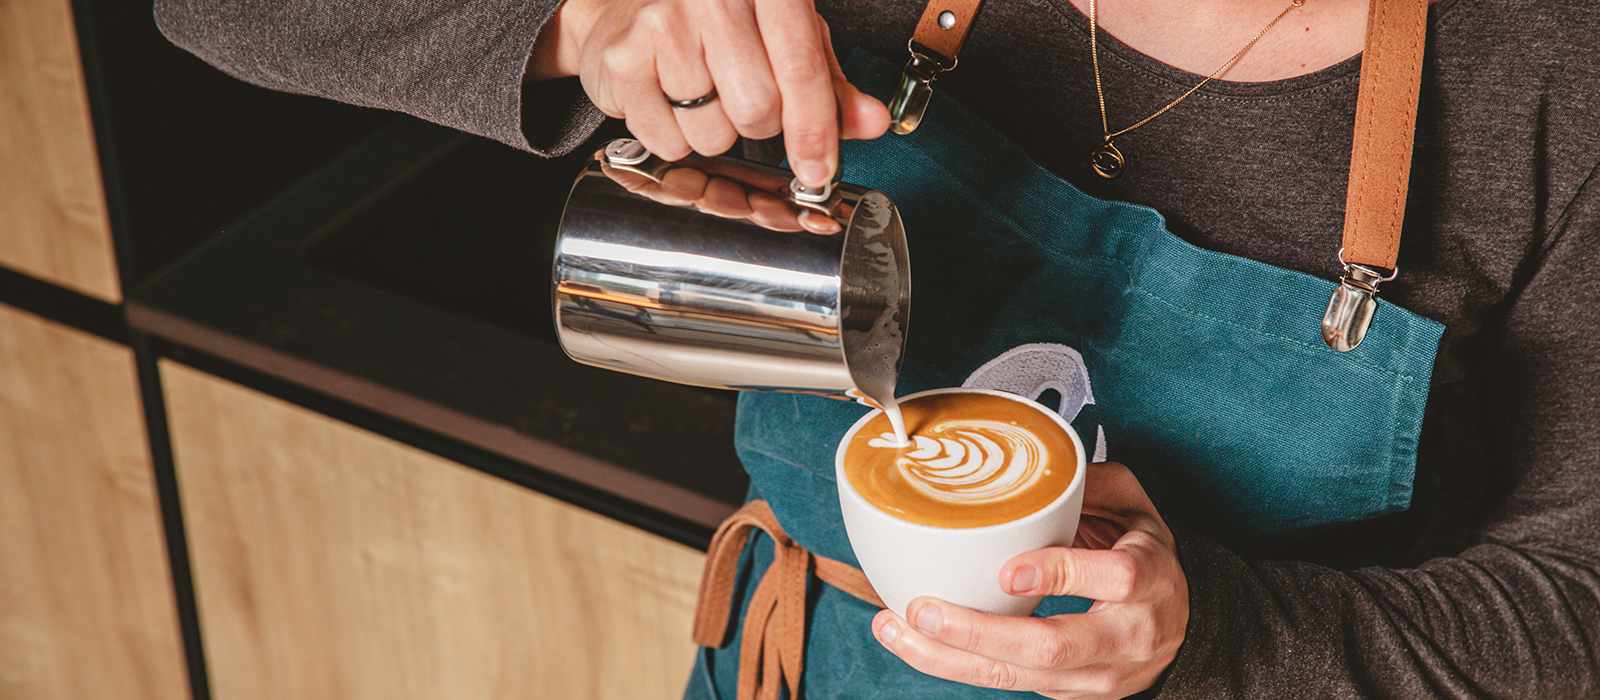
(861, 116)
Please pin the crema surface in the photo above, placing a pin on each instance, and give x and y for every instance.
(974, 460)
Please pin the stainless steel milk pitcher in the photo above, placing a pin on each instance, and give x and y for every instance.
(698, 272)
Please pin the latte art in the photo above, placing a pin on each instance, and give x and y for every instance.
(969, 461)
(973, 460)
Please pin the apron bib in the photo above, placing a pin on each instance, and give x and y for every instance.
(1204, 373)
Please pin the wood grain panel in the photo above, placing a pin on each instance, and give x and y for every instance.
(86, 602)
(53, 222)
(333, 563)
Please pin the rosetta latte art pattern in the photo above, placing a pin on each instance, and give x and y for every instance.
(969, 461)
(975, 459)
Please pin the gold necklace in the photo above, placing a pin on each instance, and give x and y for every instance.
(1107, 160)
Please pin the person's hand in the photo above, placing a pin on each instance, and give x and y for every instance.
(770, 62)
(702, 183)
(1125, 561)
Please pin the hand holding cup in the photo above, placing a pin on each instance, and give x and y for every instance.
(1125, 560)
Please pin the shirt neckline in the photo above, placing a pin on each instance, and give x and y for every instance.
(1180, 79)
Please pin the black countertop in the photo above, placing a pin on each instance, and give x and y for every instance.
(410, 277)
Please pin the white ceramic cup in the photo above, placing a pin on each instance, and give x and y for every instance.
(961, 565)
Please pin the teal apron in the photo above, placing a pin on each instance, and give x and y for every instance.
(1205, 373)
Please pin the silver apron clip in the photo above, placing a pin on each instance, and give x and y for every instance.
(910, 102)
(1352, 305)
(934, 47)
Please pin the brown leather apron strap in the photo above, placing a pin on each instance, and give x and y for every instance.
(1386, 119)
(1380, 166)
(772, 655)
(944, 34)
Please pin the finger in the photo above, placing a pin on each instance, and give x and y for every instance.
(817, 222)
(737, 60)
(626, 85)
(1058, 643)
(861, 116)
(1112, 492)
(1115, 487)
(773, 212)
(630, 181)
(799, 63)
(726, 199)
(649, 117)
(597, 82)
(1095, 532)
(682, 186)
(681, 69)
(741, 173)
(929, 656)
(603, 93)
(705, 127)
(681, 74)
(1137, 566)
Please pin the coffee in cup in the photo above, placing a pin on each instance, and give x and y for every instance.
(988, 475)
(974, 460)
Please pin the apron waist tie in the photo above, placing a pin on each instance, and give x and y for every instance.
(772, 654)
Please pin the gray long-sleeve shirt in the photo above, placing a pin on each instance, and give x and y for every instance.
(1490, 585)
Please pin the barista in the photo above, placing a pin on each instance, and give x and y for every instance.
(1502, 540)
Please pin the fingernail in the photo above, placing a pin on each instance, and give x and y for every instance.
(928, 619)
(817, 223)
(811, 172)
(889, 632)
(1024, 579)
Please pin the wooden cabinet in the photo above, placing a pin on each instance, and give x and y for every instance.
(333, 563)
(53, 221)
(86, 602)
(328, 562)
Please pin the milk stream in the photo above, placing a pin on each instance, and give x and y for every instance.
(891, 409)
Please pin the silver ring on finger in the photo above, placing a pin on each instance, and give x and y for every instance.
(701, 101)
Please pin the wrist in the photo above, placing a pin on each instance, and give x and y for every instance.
(558, 49)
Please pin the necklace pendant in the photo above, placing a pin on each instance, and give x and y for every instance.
(1107, 161)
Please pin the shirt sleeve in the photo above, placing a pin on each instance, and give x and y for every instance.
(456, 63)
(1516, 613)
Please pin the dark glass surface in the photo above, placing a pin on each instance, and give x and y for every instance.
(473, 233)
(470, 230)
(186, 148)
